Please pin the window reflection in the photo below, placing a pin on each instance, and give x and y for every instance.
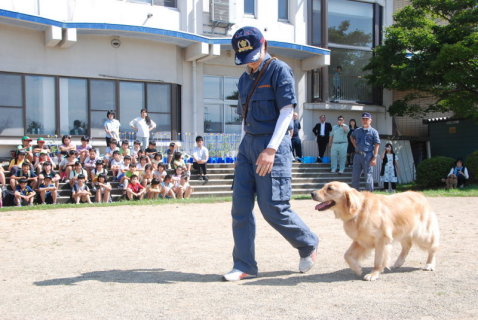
(347, 79)
(102, 94)
(350, 23)
(10, 90)
(131, 102)
(213, 118)
(73, 106)
(11, 122)
(40, 105)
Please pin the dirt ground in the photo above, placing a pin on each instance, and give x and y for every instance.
(165, 262)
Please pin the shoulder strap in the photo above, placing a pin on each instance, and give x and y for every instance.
(245, 107)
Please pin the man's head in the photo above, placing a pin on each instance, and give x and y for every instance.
(322, 118)
(199, 140)
(296, 116)
(340, 120)
(366, 119)
(248, 43)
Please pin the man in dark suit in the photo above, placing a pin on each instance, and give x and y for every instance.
(322, 131)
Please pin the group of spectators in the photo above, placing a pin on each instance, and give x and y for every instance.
(36, 171)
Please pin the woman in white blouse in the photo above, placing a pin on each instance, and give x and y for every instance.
(143, 125)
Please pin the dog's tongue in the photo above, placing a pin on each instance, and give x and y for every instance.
(323, 205)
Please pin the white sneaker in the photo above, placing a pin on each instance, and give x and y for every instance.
(236, 275)
(307, 263)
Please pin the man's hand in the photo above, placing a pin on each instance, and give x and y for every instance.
(373, 162)
(265, 161)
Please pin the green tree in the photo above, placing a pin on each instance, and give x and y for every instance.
(431, 51)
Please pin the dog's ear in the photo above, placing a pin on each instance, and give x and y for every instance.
(353, 201)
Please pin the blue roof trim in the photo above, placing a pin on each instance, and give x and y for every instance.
(157, 31)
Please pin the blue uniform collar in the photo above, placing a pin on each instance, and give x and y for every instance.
(266, 57)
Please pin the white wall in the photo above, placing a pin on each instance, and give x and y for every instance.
(91, 56)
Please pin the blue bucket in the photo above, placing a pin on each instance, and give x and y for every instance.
(325, 160)
(220, 160)
(229, 160)
(309, 159)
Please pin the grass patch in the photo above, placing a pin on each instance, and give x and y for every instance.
(118, 203)
(468, 191)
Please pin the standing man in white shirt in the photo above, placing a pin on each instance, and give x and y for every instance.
(200, 156)
(143, 126)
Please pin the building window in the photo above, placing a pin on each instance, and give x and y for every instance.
(350, 29)
(11, 105)
(159, 105)
(79, 106)
(350, 23)
(73, 106)
(316, 23)
(165, 3)
(250, 7)
(131, 101)
(220, 105)
(102, 99)
(284, 10)
(346, 77)
(40, 108)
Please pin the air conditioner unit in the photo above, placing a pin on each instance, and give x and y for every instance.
(223, 11)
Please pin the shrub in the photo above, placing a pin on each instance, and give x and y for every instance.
(472, 164)
(431, 171)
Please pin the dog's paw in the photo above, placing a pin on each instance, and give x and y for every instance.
(429, 267)
(371, 276)
(398, 263)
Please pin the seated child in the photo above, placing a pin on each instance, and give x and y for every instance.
(143, 161)
(84, 148)
(153, 191)
(103, 189)
(157, 159)
(116, 162)
(179, 162)
(67, 164)
(24, 195)
(147, 175)
(151, 149)
(123, 168)
(80, 191)
(110, 149)
(90, 161)
(185, 189)
(178, 172)
(167, 188)
(134, 152)
(48, 190)
(160, 173)
(25, 173)
(42, 157)
(47, 170)
(78, 169)
(126, 179)
(125, 151)
(135, 190)
(99, 169)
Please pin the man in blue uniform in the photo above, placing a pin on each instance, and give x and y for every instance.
(366, 142)
(264, 160)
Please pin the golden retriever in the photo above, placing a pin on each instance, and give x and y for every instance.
(374, 221)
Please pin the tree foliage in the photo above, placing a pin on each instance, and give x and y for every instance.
(431, 51)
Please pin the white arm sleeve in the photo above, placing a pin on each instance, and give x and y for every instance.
(285, 117)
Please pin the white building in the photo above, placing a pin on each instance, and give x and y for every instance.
(69, 61)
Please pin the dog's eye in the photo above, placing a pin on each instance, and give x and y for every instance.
(329, 188)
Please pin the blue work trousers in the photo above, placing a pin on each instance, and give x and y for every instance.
(362, 164)
(338, 156)
(273, 193)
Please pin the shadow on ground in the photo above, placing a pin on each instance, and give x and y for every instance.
(158, 275)
(162, 276)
